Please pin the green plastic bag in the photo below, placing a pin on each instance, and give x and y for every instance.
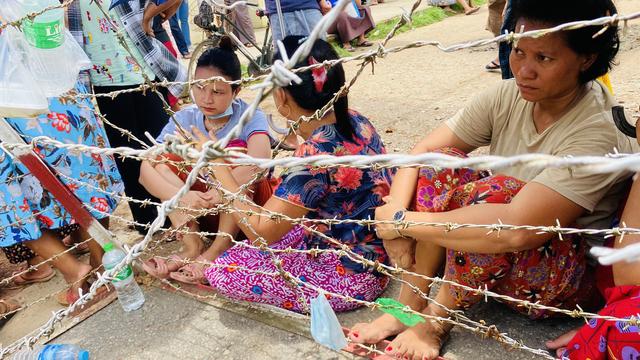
(396, 309)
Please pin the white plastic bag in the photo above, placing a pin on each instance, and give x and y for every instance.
(19, 94)
(48, 49)
(352, 10)
(325, 327)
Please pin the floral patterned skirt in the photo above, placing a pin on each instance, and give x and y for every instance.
(243, 273)
(554, 274)
(25, 206)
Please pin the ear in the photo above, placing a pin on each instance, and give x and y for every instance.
(587, 61)
(280, 96)
(237, 91)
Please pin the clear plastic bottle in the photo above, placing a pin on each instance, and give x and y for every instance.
(52, 352)
(50, 51)
(130, 295)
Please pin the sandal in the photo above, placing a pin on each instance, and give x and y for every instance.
(492, 66)
(66, 298)
(349, 48)
(472, 11)
(20, 281)
(160, 268)
(8, 308)
(365, 43)
(192, 273)
(79, 250)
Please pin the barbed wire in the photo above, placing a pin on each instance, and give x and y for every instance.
(280, 75)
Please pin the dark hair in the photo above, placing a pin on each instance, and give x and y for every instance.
(306, 95)
(553, 12)
(224, 59)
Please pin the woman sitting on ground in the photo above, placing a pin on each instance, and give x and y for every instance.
(216, 112)
(349, 27)
(552, 107)
(32, 221)
(315, 193)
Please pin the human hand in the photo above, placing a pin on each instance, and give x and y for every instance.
(197, 200)
(201, 138)
(325, 6)
(385, 213)
(401, 251)
(150, 11)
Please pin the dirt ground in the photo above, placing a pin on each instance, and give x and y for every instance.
(407, 95)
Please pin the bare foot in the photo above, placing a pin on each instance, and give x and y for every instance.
(559, 344)
(419, 342)
(377, 330)
(422, 341)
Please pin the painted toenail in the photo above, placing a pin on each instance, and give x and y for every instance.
(389, 348)
(356, 335)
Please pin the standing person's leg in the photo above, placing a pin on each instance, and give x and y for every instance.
(276, 29)
(178, 36)
(120, 111)
(18, 254)
(75, 272)
(494, 23)
(183, 16)
(243, 21)
(468, 9)
(504, 48)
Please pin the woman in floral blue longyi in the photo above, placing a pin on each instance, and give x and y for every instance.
(30, 216)
(315, 193)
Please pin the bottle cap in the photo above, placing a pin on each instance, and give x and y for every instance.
(84, 354)
(108, 247)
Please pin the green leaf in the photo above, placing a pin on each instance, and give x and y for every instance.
(397, 310)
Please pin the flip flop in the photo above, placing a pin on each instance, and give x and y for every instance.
(365, 43)
(19, 281)
(492, 66)
(160, 268)
(472, 11)
(8, 308)
(191, 273)
(66, 298)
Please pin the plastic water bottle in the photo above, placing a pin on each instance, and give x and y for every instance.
(130, 295)
(52, 352)
(51, 52)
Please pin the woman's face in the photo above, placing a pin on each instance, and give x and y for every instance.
(215, 97)
(545, 68)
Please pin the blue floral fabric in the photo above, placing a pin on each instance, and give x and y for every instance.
(25, 207)
(341, 193)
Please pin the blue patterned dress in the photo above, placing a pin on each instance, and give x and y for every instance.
(25, 207)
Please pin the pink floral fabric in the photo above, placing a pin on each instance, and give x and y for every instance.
(239, 273)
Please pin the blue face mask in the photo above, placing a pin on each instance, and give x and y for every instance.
(227, 112)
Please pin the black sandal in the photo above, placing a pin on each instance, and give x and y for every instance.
(492, 66)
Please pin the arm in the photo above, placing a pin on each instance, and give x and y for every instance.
(405, 180)
(626, 273)
(531, 206)
(258, 146)
(155, 184)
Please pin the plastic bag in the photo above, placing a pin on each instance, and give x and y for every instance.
(325, 327)
(19, 94)
(47, 48)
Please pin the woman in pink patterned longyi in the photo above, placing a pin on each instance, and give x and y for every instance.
(342, 193)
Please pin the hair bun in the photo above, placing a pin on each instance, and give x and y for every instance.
(226, 43)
